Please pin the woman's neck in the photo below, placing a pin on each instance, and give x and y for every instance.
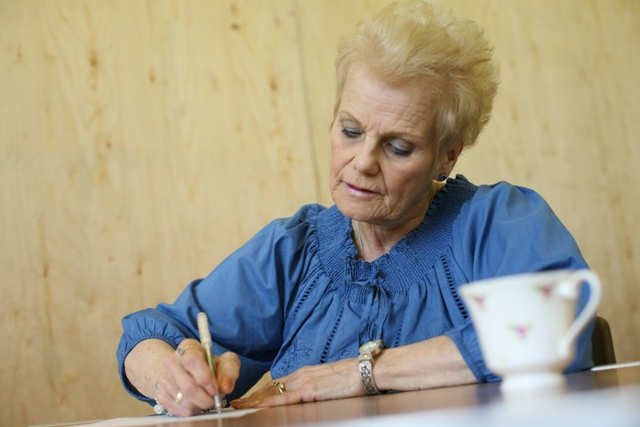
(372, 241)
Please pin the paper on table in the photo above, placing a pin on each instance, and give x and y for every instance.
(153, 420)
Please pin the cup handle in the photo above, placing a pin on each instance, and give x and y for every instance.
(570, 289)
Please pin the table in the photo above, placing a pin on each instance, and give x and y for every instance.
(607, 398)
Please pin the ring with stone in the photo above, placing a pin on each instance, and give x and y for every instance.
(280, 386)
(182, 350)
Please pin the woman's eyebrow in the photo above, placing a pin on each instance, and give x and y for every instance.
(344, 115)
(408, 133)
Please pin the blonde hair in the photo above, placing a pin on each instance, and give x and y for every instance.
(412, 42)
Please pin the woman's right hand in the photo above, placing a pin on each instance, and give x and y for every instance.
(186, 385)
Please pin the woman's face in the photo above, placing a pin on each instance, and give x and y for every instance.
(383, 152)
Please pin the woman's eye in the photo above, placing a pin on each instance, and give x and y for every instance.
(350, 132)
(400, 150)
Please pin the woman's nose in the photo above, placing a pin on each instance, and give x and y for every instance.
(366, 159)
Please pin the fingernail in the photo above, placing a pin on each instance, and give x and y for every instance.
(211, 389)
(226, 385)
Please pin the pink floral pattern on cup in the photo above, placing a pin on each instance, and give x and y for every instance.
(521, 330)
(480, 300)
(546, 289)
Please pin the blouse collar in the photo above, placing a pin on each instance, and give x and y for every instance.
(406, 263)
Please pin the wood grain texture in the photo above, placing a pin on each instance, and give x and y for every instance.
(142, 141)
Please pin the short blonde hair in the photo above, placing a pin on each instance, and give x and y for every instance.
(413, 42)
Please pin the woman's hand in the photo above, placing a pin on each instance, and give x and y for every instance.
(427, 364)
(308, 384)
(180, 380)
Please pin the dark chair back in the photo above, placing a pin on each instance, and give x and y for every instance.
(602, 343)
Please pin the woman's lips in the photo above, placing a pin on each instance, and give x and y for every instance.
(357, 191)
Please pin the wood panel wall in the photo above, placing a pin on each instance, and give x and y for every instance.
(142, 141)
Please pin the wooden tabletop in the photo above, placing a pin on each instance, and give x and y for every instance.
(615, 390)
(609, 397)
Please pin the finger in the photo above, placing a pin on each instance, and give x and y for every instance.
(273, 393)
(184, 376)
(228, 371)
(266, 401)
(242, 403)
(168, 395)
(193, 360)
(256, 397)
(280, 395)
(288, 398)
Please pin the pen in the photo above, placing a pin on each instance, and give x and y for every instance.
(205, 340)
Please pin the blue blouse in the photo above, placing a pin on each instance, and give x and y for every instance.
(296, 295)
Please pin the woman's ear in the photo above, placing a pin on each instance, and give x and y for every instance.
(451, 157)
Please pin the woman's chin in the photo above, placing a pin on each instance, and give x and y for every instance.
(357, 211)
(351, 210)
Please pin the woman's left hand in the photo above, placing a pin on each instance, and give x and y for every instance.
(328, 381)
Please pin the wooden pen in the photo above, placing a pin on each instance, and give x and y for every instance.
(205, 340)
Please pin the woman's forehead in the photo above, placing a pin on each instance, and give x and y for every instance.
(369, 100)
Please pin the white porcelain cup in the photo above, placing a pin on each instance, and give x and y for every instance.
(527, 327)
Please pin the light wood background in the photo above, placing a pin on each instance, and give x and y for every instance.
(142, 141)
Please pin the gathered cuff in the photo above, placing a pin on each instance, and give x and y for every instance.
(138, 327)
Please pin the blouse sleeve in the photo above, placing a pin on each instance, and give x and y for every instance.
(507, 230)
(245, 299)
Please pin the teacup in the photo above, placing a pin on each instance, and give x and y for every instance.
(526, 324)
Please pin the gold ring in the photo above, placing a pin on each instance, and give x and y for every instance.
(181, 351)
(179, 397)
(280, 386)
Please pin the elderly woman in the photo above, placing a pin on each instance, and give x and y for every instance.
(362, 297)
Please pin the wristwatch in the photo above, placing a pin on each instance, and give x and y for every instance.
(367, 353)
